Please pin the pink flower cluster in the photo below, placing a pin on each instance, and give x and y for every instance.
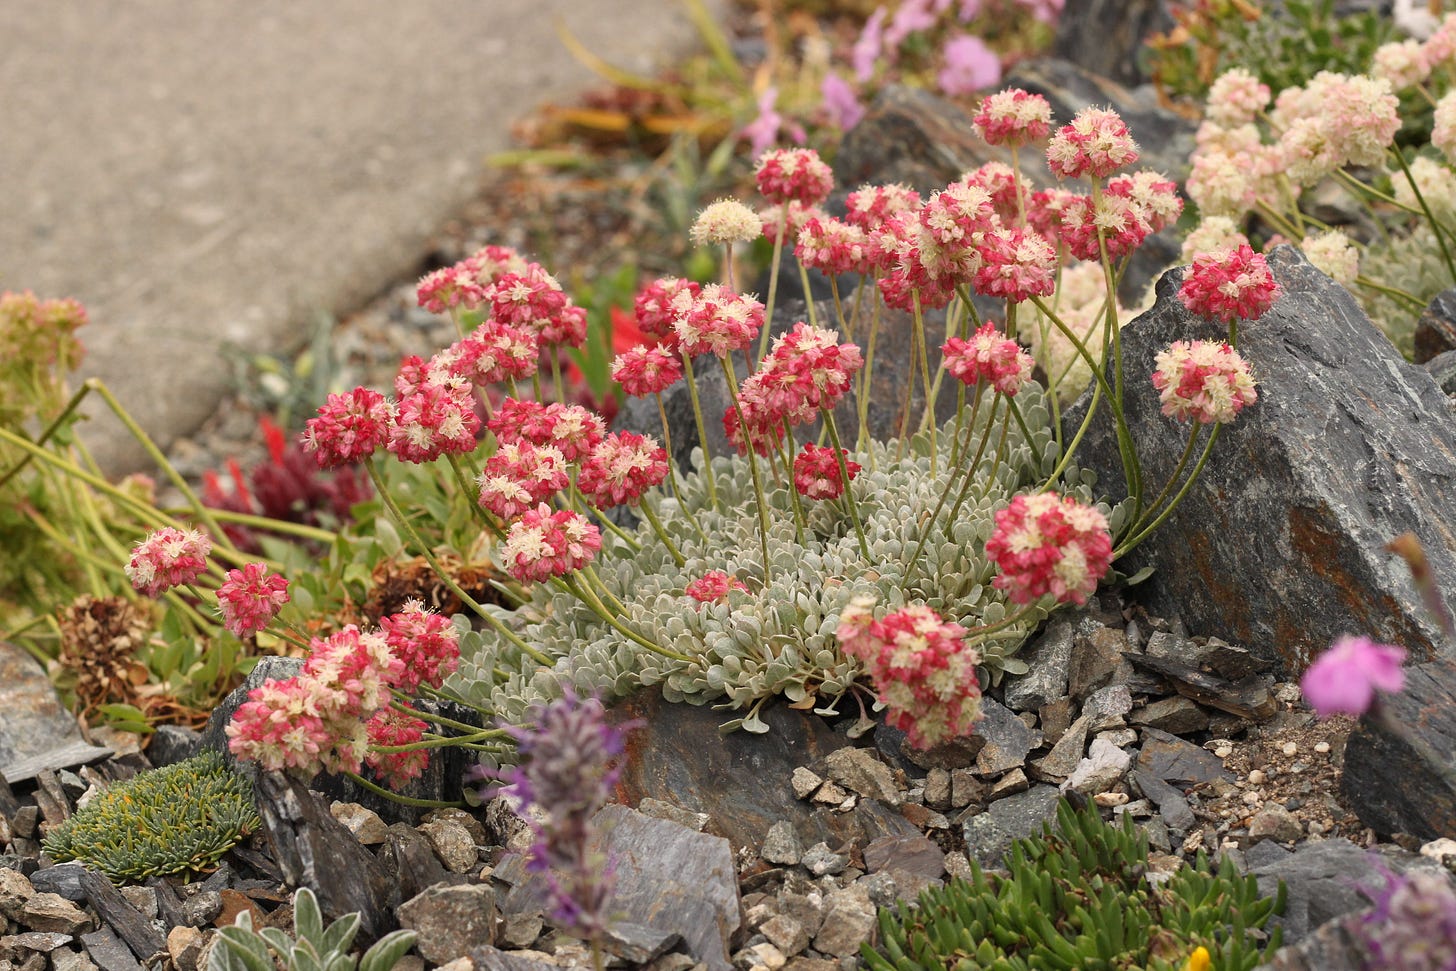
(816, 472)
(645, 370)
(713, 586)
(250, 598)
(349, 428)
(654, 307)
(1094, 145)
(464, 284)
(1049, 545)
(521, 476)
(532, 300)
(921, 667)
(622, 467)
(432, 420)
(389, 727)
(1205, 380)
(807, 370)
(988, 356)
(793, 175)
(543, 544)
(166, 558)
(834, 247)
(571, 429)
(1013, 117)
(1230, 284)
(318, 719)
(716, 321)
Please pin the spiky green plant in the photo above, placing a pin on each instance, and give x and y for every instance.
(1079, 898)
(313, 948)
(175, 819)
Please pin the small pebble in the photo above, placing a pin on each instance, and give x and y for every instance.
(1106, 799)
(1252, 798)
(1289, 748)
(1322, 748)
(1257, 777)
(1223, 751)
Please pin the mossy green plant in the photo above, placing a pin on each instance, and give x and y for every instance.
(1080, 897)
(176, 819)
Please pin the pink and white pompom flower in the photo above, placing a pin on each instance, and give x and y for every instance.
(988, 356)
(543, 544)
(1049, 545)
(167, 558)
(250, 598)
(922, 669)
(1207, 381)
(1229, 284)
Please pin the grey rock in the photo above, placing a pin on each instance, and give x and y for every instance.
(849, 920)
(451, 921)
(410, 861)
(63, 879)
(1008, 740)
(1174, 760)
(785, 933)
(1173, 808)
(1176, 716)
(452, 843)
(108, 951)
(858, 770)
(636, 944)
(1106, 36)
(1400, 770)
(64, 959)
(1105, 707)
(907, 854)
(1248, 699)
(202, 909)
(494, 959)
(1066, 755)
(1098, 661)
(966, 789)
(32, 721)
(15, 891)
(666, 810)
(1324, 881)
(1436, 329)
(315, 850)
(782, 845)
(52, 912)
(144, 899)
(172, 743)
(1008, 785)
(1333, 946)
(989, 834)
(1103, 768)
(1046, 659)
(1055, 718)
(364, 823)
(820, 860)
(1274, 822)
(1348, 446)
(1442, 369)
(937, 789)
(520, 930)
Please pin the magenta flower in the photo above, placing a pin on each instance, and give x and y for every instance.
(816, 472)
(1205, 380)
(349, 428)
(1344, 679)
(1229, 284)
(970, 66)
(1048, 544)
(840, 102)
(713, 586)
(250, 598)
(166, 558)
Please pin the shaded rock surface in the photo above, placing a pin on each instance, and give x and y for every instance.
(1400, 769)
(1348, 447)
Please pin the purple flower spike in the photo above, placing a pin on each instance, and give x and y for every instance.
(1344, 679)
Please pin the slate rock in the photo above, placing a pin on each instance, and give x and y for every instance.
(108, 951)
(849, 920)
(667, 876)
(1106, 707)
(32, 720)
(821, 861)
(1103, 768)
(63, 879)
(859, 771)
(494, 959)
(1176, 716)
(1436, 328)
(1400, 764)
(1442, 369)
(54, 913)
(1324, 879)
(989, 834)
(1008, 740)
(1066, 755)
(1106, 36)
(1046, 659)
(451, 921)
(1098, 661)
(1333, 946)
(908, 854)
(170, 744)
(1249, 698)
(317, 851)
(411, 862)
(1181, 763)
(1348, 446)
(782, 845)
(740, 780)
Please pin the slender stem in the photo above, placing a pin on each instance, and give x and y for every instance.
(808, 294)
(661, 531)
(969, 474)
(379, 790)
(864, 543)
(45, 435)
(1436, 226)
(1152, 507)
(672, 468)
(1128, 545)
(1414, 303)
(862, 436)
(470, 497)
(403, 522)
(583, 590)
(752, 469)
(773, 281)
(702, 430)
(1025, 431)
(301, 530)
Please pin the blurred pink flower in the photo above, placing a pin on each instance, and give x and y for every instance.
(763, 131)
(841, 102)
(1344, 679)
(867, 48)
(970, 66)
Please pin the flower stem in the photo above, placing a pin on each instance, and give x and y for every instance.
(658, 528)
(379, 790)
(1128, 545)
(403, 522)
(864, 543)
(752, 469)
(773, 281)
(1152, 507)
(702, 430)
(672, 468)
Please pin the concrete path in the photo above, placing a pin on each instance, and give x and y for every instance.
(205, 173)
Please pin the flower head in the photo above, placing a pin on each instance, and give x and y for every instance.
(390, 727)
(349, 428)
(1049, 545)
(713, 586)
(1343, 680)
(431, 421)
(1014, 117)
(166, 558)
(1094, 145)
(718, 321)
(1205, 380)
(544, 544)
(492, 353)
(644, 370)
(794, 174)
(250, 598)
(1230, 284)
(725, 221)
(833, 246)
(1235, 98)
(534, 301)
(988, 356)
(970, 66)
(1412, 926)
(921, 667)
(426, 644)
(655, 306)
(448, 288)
(870, 206)
(1018, 264)
(620, 468)
(816, 472)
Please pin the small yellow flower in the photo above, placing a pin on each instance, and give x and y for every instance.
(1198, 960)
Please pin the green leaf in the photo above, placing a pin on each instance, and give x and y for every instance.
(340, 934)
(387, 951)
